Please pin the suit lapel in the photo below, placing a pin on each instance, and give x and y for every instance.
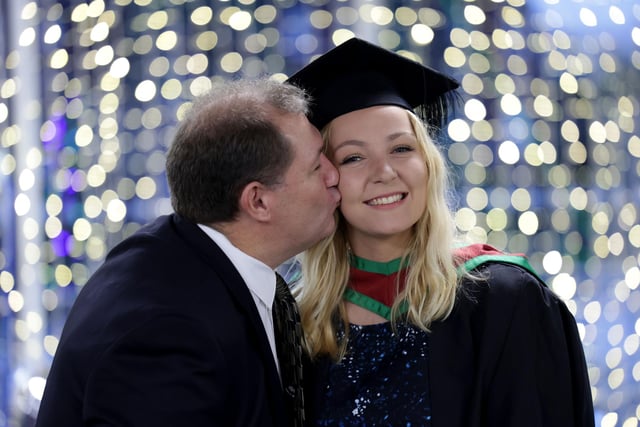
(227, 274)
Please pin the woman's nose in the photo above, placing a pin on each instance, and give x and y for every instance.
(383, 170)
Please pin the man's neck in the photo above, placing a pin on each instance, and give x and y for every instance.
(251, 241)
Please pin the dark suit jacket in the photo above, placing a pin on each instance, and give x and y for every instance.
(165, 333)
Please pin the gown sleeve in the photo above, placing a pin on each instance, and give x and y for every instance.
(509, 355)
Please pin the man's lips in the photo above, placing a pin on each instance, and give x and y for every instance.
(335, 195)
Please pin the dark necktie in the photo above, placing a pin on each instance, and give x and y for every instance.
(288, 333)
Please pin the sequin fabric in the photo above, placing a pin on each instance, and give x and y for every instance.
(382, 381)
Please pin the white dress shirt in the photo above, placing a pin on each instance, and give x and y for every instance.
(259, 277)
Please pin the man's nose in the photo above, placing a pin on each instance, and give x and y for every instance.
(330, 172)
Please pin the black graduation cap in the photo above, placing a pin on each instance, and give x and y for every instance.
(358, 74)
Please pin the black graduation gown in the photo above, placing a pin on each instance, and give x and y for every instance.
(508, 355)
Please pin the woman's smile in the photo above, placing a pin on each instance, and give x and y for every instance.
(387, 200)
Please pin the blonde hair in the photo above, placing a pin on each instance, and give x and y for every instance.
(431, 281)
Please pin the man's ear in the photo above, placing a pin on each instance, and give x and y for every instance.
(255, 201)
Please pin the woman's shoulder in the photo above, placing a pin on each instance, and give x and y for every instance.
(491, 273)
(499, 291)
(500, 278)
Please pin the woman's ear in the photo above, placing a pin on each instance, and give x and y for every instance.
(255, 201)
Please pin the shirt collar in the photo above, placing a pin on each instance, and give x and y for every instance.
(258, 276)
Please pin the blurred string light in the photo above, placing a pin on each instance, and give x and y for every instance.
(545, 144)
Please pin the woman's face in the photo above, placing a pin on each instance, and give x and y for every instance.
(382, 174)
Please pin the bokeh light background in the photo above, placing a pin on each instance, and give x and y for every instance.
(544, 144)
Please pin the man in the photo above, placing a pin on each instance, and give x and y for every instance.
(175, 329)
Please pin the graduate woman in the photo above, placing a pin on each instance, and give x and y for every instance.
(402, 328)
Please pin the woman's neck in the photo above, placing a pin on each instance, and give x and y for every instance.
(378, 249)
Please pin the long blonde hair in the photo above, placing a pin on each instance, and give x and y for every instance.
(431, 281)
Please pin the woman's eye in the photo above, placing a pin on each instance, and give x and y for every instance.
(402, 149)
(350, 159)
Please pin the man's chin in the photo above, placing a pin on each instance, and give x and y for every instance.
(331, 231)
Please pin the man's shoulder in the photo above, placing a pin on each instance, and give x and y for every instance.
(164, 234)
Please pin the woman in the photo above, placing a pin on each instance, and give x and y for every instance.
(402, 329)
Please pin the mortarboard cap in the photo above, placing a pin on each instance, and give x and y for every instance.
(358, 74)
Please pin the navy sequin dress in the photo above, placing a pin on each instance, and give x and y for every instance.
(382, 380)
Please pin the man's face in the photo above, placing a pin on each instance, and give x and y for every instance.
(308, 197)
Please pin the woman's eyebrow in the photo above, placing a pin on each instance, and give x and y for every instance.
(355, 142)
(358, 143)
(397, 135)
